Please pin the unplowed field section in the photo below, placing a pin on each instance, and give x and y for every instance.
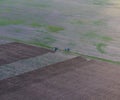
(12, 52)
(75, 79)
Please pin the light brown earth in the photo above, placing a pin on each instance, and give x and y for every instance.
(74, 79)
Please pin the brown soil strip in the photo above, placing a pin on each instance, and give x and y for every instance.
(74, 79)
(17, 82)
(12, 52)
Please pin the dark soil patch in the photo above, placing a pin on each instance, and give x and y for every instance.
(12, 52)
(75, 79)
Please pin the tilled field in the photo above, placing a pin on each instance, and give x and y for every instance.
(74, 79)
(12, 52)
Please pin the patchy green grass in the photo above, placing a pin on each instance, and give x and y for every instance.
(75, 21)
(39, 44)
(91, 35)
(37, 4)
(94, 35)
(49, 40)
(5, 10)
(71, 44)
(55, 28)
(11, 39)
(42, 41)
(100, 47)
(100, 2)
(18, 30)
(79, 19)
(35, 25)
(16, 22)
(102, 59)
(40, 5)
(4, 22)
(1, 1)
(32, 42)
(93, 57)
(106, 38)
(42, 31)
(99, 22)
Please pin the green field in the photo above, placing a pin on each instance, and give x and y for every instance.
(89, 27)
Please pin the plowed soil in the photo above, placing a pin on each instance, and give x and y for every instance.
(12, 52)
(75, 79)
